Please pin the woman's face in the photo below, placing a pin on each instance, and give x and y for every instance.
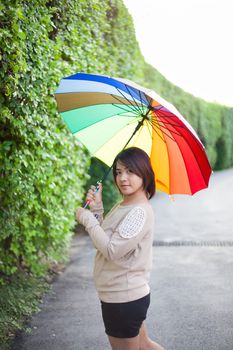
(128, 182)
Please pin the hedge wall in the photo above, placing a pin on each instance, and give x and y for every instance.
(43, 169)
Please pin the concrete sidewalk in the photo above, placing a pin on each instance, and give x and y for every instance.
(191, 283)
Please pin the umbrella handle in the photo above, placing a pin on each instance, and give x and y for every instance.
(96, 190)
(98, 184)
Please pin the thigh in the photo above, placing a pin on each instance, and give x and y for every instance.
(124, 343)
(143, 336)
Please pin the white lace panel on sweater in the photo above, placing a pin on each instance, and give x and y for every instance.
(132, 223)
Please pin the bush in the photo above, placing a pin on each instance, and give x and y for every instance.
(43, 169)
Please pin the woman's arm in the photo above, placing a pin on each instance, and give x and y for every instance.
(128, 234)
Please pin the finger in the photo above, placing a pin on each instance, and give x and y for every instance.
(91, 189)
(89, 199)
(90, 196)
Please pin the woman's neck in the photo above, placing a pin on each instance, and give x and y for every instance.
(135, 198)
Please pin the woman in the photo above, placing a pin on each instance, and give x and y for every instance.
(124, 251)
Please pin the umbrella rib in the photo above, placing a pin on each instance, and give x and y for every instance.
(141, 99)
(148, 122)
(140, 95)
(190, 133)
(151, 101)
(159, 112)
(155, 124)
(130, 102)
(172, 131)
(155, 109)
(107, 140)
(124, 109)
(99, 121)
(141, 111)
(168, 122)
(98, 104)
(130, 105)
(160, 124)
(153, 127)
(139, 125)
(181, 126)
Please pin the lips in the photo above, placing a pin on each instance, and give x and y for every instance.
(124, 187)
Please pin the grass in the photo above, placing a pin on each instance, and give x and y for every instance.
(20, 296)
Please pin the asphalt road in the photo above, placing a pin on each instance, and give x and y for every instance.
(191, 281)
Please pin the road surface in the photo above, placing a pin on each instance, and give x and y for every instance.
(191, 281)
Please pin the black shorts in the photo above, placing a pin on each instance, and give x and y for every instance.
(124, 320)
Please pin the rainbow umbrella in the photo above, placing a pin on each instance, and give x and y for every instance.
(108, 114)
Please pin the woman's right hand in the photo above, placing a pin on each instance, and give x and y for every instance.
(94, 198)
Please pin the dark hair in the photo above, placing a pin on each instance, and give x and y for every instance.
(138, 162)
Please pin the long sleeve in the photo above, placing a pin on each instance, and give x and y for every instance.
(98, 211)
(124, 239)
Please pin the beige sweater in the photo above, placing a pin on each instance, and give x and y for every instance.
(124, 250)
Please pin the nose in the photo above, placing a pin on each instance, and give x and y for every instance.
(123, 177)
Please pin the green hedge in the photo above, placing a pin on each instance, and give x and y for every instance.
(43, 169)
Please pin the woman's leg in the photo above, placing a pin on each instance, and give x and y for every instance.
(124, 343)
(145, 343)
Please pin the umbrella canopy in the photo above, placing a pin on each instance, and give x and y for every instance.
(108, 114)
